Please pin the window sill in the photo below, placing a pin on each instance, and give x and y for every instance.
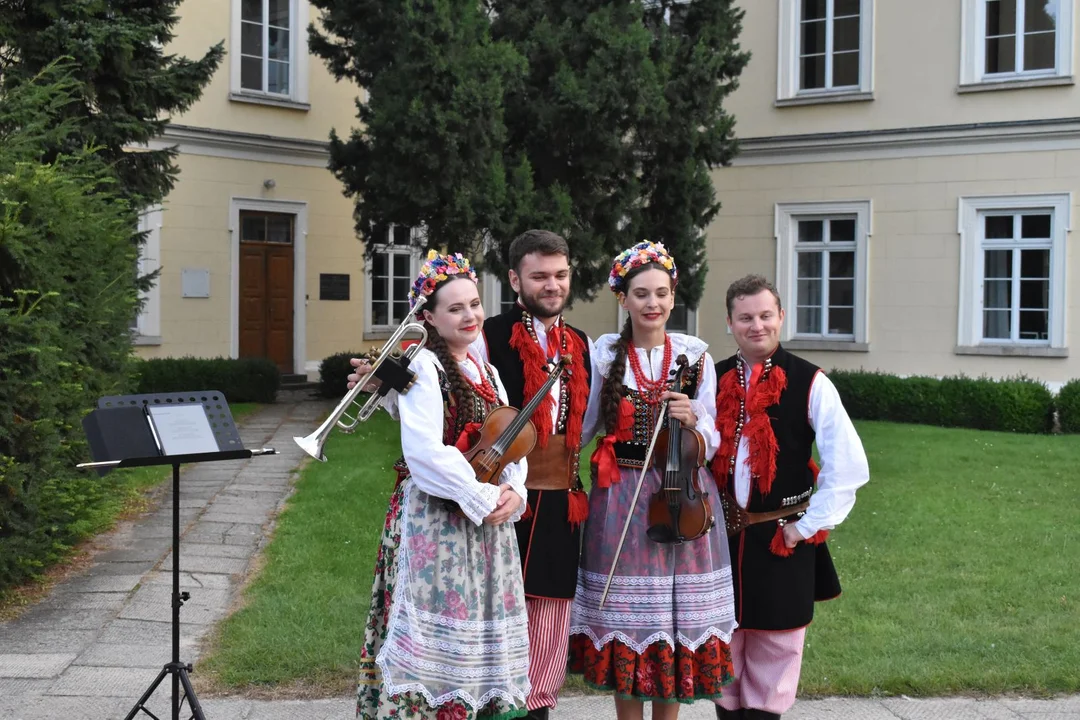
(843, 96)
(829, 345)
(1016, 84)
(378, 334)
(1013, 351)
(146, 340)
(281, 102)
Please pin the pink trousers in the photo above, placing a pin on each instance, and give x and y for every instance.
(767, 665)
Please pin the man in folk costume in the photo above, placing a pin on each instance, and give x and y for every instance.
(771, 408)
(520, 343)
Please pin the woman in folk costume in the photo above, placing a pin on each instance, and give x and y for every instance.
(447, 635)
(663, 631)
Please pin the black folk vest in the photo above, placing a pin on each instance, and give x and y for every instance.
(774, 592)
(550, 547)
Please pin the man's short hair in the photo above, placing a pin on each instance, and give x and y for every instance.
(750, 285)
(544, 242)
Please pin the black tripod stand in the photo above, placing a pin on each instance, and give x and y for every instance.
(178, 670)
(122, 432)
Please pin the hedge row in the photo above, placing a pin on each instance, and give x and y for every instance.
(1013, 405)
(240, 380)
(1068, 407)
(334, 373)
(66, 254)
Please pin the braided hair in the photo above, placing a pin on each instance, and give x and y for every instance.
(461, 391)
(612, 392)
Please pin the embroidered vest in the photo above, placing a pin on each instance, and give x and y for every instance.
(632, 452)
(549, 544)
(497, 331)
(794, 436)
(774, 592)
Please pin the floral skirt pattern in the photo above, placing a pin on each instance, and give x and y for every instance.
(460, 575)
(656, 674)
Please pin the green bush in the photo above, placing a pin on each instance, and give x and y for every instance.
(1013, 405)
(241, 380)
(1068, 405)
(67, 298)
(333, 375)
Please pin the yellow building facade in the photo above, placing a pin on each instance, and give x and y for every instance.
(908, 178)
(255, 245)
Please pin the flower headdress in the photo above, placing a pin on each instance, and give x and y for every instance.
(643, 253)
(436, 269)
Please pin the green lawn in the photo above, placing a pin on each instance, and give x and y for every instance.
(303, 616)
(959, 568)
(957, 564)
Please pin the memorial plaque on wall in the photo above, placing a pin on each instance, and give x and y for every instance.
(333, 286)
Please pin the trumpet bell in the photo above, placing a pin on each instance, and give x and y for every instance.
(312, 445)
(391, 367)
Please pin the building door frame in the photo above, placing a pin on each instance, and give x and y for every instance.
(299, 211)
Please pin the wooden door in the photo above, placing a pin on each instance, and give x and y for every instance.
(266, 287)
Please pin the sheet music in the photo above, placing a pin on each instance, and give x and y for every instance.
(183, 429)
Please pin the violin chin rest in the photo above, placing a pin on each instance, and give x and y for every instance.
(661, 534)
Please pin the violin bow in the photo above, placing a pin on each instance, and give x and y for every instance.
(637, 491)
(637, 494)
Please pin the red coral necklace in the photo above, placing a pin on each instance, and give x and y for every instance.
(484, 388)
(651, 390)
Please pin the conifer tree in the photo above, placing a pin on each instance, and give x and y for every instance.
(127, 82)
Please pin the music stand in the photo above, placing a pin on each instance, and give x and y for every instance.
(165, 429)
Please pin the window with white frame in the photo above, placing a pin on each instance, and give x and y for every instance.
(1013, 270)
(822, 270)
(499, 295)
(682, 318)
(390, 273)
(1016, 40)
(825, 49)
(824, 302)
(269, 50)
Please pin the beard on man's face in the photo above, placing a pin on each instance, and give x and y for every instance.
(535, 304)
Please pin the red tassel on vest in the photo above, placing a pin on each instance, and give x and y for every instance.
(778, 546)
(577, 510)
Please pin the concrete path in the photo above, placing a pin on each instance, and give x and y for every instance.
(93, 646)
(96, 643)
(590, 708)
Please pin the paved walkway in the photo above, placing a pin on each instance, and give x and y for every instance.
(93, 646)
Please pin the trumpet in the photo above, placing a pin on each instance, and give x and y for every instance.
(391, 366)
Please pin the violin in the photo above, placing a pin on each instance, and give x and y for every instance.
(679, 511)
(508, 434)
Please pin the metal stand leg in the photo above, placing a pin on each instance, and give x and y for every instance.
(177, 669)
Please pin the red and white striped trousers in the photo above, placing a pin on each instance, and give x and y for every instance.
(549, 645)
